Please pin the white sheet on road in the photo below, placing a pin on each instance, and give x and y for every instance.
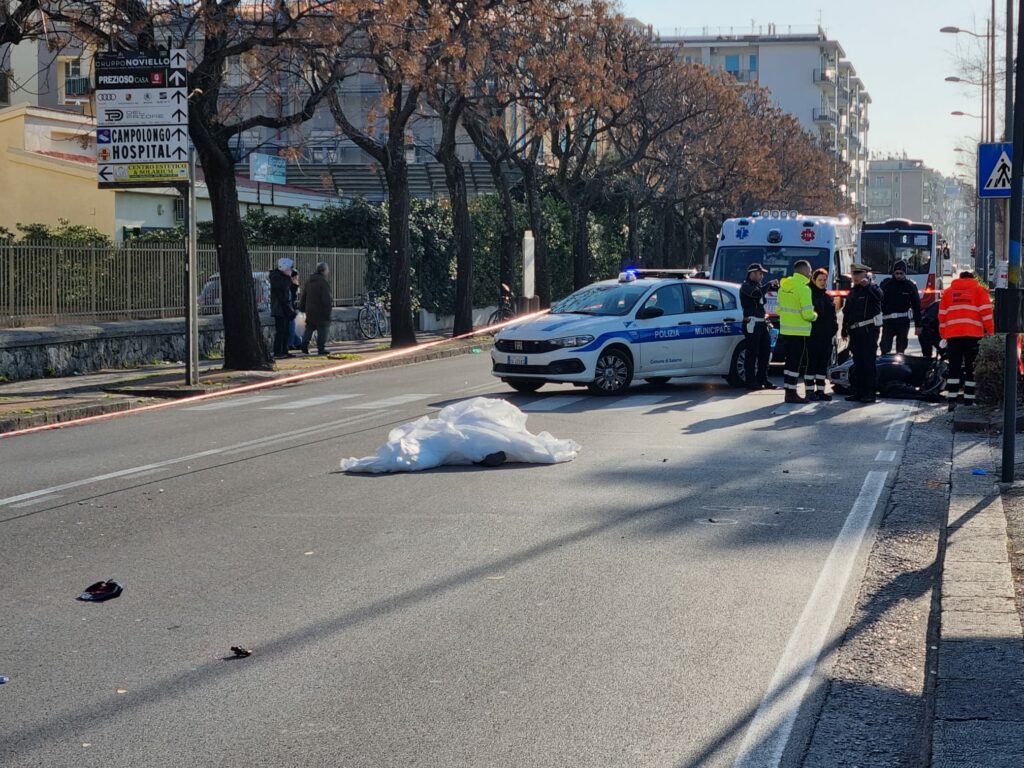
(464, 433)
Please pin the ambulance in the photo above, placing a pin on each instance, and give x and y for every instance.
(779, 239)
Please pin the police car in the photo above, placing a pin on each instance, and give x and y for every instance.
(651, 325)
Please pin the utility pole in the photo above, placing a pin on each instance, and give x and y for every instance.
(1009, 314)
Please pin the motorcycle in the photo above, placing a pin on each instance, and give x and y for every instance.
(901, 377)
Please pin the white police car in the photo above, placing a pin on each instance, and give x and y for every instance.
(648, 324)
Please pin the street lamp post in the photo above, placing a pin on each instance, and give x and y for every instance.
(987, 230)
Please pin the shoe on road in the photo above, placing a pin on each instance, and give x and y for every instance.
(768, 385)
(867, 399)
(793, 397)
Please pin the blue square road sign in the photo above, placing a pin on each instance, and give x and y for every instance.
(994, 165)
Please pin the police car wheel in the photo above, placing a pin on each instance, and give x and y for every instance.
(524, 385)
(738, 368)
(612, 373)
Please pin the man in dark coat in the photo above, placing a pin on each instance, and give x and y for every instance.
(901, 303)
(862, 317)
(317, 302)
(281, 306)
(756, 327)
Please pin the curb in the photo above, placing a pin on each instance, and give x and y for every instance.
(58, 415)
(70, 413)
(971, 419)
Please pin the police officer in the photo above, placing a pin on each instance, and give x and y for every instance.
(901, 303)
(862, 319)
(756, 327)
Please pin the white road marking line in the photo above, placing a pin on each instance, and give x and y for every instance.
(899, 424)
(226, 450)
(633, 401)
(252, 399)
(886, 456)
(108, 476)
(554, 403)
(391, 402)
(309, 402)
(769, 730)
(38, 500)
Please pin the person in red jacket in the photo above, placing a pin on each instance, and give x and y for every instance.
(965, 316)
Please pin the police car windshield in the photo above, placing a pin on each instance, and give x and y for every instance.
(731, 262)
(609, 299)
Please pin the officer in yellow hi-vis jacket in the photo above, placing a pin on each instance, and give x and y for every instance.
(796, 313)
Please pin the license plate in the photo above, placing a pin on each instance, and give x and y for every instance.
(517, 359)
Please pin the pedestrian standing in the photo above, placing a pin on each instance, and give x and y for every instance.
(901, 303)
(965, 317)
(317, 303)
(796, 313)
(281, 306)
(928, 336)
(756, 327)
(294, 340)
(823, 336)
(862, 320)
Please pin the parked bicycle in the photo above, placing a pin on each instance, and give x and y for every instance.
(506, 307)
(372, 320)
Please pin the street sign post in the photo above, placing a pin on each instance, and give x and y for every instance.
(142, 118)
(142, 141)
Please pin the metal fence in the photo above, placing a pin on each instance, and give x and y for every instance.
(50, 282)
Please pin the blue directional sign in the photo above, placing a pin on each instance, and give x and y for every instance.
(994, 163)
(268, 168)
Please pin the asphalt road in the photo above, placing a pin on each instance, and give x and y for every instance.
(660, 601)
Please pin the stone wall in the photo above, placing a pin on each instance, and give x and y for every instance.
(32, 353)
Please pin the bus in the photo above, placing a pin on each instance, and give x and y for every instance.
(882, 244)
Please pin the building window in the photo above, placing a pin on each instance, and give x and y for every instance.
(732, 63)
(753, 63)
(688, 59)
(76, 86)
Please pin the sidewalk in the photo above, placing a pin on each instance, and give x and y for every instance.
(979, 707)
(37, 402)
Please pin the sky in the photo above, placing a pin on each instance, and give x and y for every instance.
(897, 50)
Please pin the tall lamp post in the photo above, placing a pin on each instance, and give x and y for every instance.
(987, 235)
(983, 217)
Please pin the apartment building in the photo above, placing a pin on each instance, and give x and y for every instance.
(35, 75)
(904, 188)
(808, 76)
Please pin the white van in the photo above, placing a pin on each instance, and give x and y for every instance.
(779, 239)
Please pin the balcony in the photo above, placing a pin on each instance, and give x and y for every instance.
(824, 116)
(825, 77)
(77, 86)
(744, 75)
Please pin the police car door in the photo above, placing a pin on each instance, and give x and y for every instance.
(662, 345)
(713, 316)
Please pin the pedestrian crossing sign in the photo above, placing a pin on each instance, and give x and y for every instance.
(994, 165)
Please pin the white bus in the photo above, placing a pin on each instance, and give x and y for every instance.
(884, 243)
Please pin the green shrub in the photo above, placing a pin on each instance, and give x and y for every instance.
(988, 372)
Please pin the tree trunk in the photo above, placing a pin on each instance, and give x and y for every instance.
(396, 173)
(671, 247)
(541, 264)
(462, 226)
(634, 232)
(687, 250)
(245, 347)
(580, 214)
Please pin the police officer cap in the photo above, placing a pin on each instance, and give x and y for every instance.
(755, 267)
(859, 268)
